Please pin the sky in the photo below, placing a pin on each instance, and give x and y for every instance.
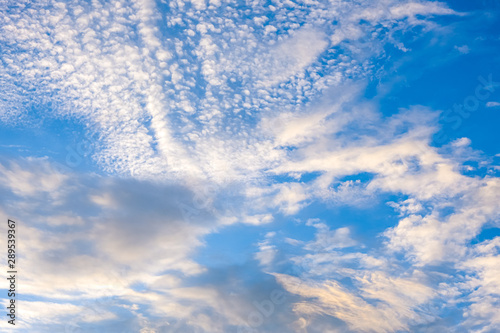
(209, 166)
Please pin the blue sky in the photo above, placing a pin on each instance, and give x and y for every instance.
(218, 166)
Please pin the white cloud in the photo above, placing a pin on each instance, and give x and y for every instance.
(411, 9)
(290, 197)
(432, 238)
(96, 258)
(408, 206)
(398, 300)
(492, 104)
(25, 183)
(119, 70)
(464, 49)
(326, 239)
(116, 223)
(218, 96)
(290, 56)
(36, 314)
(267, 252)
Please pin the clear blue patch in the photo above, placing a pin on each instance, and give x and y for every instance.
(486, 234)
(363, 177)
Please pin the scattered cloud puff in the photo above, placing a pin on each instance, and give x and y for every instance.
(492, 104)
(464, 49)
(327, 240)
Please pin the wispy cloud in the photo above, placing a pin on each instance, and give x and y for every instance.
(492, 104)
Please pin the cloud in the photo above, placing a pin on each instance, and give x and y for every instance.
(165, 96)
(264, 103)
(86, 262)
(327, 239)
(406, 207)
(35, 315)
(97, 257)
(464, 49)
(376, 300)
(412, 9)
(383, 287)
(23, 183)
(492, 104)
(434, 238)
(395, 307)
(267, 252)
(483, 265)
(291, 56)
